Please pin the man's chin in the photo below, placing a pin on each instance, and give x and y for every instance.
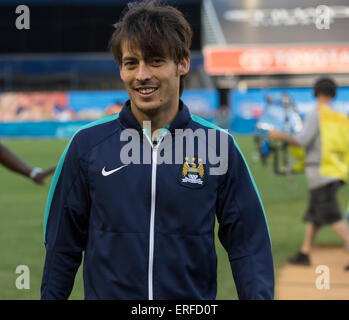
(148, 109)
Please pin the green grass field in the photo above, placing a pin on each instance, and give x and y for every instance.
(22, 206)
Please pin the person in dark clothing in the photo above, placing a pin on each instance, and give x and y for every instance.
(147, 227)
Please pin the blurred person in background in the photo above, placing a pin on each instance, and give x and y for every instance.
(325, 138)
(16, 164)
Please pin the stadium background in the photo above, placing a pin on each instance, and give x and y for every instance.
(58, 75)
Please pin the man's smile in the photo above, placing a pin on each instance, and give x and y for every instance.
(146, 91)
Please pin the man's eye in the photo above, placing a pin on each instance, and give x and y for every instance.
(157, 61)
(129, 64)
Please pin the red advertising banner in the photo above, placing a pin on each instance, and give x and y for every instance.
(278, 59)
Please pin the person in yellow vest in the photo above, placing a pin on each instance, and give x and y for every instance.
(325, 139)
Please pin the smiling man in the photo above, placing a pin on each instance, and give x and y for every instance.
(147, 229)
(153, 65)
(152, 83)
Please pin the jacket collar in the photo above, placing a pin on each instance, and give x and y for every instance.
(128, 120)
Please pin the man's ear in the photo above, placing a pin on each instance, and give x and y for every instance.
(184, 66)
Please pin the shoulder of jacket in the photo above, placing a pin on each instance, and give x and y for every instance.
(202, 123)
(92, 133)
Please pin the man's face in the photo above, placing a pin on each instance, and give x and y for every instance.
(152, 84)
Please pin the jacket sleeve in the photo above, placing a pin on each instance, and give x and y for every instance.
(243, 230)
(66, 224)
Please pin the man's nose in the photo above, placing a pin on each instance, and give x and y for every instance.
(143, 72)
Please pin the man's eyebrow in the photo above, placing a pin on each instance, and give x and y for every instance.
(128, 58)
(156, 57)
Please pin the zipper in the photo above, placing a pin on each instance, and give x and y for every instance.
(152, 216)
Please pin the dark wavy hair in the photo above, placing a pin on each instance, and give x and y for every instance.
(158, 30)
(326, 87)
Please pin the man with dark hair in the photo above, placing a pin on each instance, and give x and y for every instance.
(325, 137)
(325, 87)
(172, 40)
(16, 164)
(147, 227)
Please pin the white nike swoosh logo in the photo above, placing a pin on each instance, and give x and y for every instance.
(107, 173)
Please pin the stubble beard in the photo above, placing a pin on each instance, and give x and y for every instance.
(149, 111)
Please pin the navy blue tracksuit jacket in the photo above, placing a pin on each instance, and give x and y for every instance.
(147, 230)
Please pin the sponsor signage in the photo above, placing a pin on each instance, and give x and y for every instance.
(60, 114)
(276, 36)
(277, 60)
(264, 22)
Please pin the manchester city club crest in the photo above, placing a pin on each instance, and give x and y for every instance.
(193, 172)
